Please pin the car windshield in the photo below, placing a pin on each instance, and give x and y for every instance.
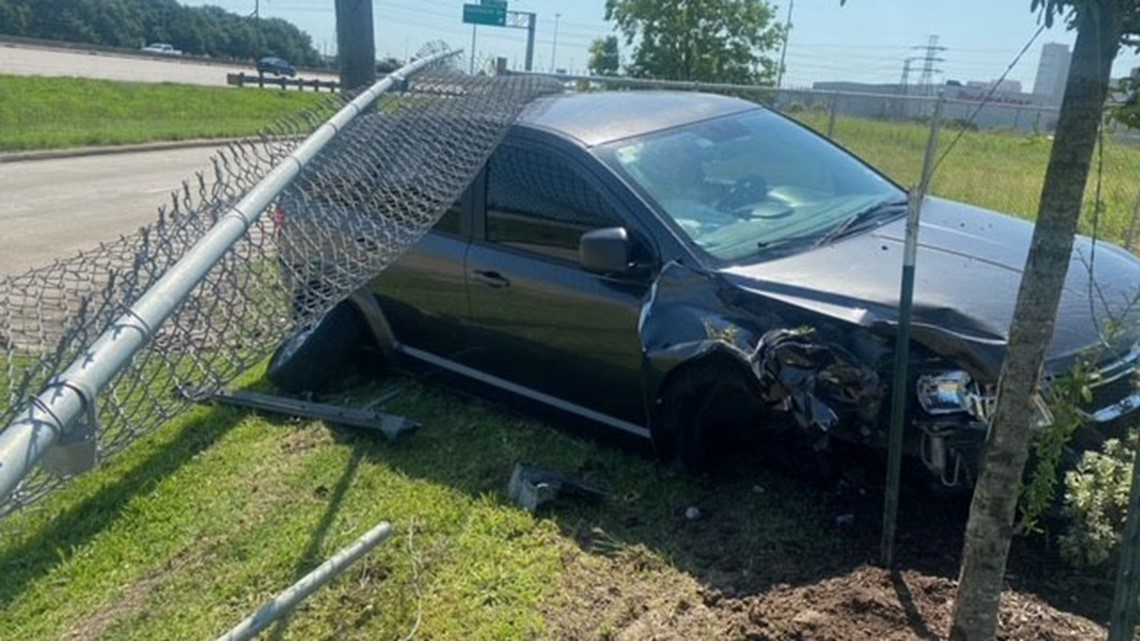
(753, 185)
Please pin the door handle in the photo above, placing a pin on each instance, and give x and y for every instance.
(492, 278)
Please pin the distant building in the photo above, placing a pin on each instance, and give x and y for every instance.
(1052, 73)
(1004, 86)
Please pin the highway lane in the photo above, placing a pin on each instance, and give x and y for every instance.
(24, 60)
(54, 208)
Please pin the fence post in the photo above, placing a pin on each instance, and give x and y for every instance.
(1134, 228)
(833, 109)
(900, 391)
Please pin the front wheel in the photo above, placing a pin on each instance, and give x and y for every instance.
(309, 360)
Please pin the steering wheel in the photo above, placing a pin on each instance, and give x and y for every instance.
(745, 191)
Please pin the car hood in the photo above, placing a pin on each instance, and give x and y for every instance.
(968, 271)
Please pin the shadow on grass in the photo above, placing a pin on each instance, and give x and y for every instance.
(77, 525)
(310, 556)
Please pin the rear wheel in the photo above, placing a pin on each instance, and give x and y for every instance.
(308, 361)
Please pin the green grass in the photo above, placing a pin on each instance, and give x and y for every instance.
(999, 170)
(191, 529)
(50, 113)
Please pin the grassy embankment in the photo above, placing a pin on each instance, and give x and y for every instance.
(1000, 170)
(51, 113)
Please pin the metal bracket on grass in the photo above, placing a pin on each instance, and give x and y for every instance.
(390, 425)
(530, 487)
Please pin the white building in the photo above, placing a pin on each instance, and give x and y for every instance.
(1052, 73)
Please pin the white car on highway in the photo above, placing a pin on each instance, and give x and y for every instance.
(162, 48)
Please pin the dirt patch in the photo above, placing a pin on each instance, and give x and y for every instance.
(633, 597)
(773, 559)
(870, 604)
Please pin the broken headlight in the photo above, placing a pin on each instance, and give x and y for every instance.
(950, 393)
(955, 391)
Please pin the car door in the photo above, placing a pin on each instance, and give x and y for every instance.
(538, 320)
(424, 293)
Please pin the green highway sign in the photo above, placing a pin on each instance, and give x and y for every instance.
(493, 3)
(494, 15)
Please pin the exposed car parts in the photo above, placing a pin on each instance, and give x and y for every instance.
(530, 487)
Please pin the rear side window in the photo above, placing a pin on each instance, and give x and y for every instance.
(539, 204)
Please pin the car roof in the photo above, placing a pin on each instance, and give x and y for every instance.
(600, 117)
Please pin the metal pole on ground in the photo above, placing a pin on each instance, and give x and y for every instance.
(900, 390)
(299, 591)
(1124, 601)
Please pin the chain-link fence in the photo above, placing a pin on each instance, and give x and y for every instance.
(374, 190)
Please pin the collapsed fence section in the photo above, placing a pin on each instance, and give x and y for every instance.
(103, 348)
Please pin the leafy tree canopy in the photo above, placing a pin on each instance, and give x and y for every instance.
(705, 40)
(130, 23)
(604, 56)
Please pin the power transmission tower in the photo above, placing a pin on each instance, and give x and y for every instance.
(932, 49)
(904, 82)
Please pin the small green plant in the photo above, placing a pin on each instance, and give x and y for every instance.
(1096, 504)
(1067, 393)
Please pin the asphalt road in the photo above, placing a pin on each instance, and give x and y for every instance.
(52, 209)
(22, 60)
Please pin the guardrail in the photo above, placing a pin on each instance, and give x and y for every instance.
(260, 81)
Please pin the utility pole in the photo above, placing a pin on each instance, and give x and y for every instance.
(554, 46)
(356, 44)
(932, 49)
(256, 17)
(784, 49)
(524, 20)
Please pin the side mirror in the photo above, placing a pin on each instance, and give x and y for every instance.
(605, 251)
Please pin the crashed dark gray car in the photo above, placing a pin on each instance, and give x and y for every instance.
(688, 268)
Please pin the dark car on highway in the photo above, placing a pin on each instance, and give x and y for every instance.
(275, 65)
(692, 268)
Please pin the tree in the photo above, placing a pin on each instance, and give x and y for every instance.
(1102, 26)
(129, 23)
(705, 40)
(604, 57)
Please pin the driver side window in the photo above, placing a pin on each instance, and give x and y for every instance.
(538, 203)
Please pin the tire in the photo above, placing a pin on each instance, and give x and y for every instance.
(687, 430)
(308, 361)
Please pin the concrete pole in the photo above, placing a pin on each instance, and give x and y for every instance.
(356, 44)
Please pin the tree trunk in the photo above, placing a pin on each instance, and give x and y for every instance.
(990, 525)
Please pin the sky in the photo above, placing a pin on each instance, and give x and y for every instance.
(864, 41)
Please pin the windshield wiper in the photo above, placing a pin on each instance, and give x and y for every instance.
(856, 219)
